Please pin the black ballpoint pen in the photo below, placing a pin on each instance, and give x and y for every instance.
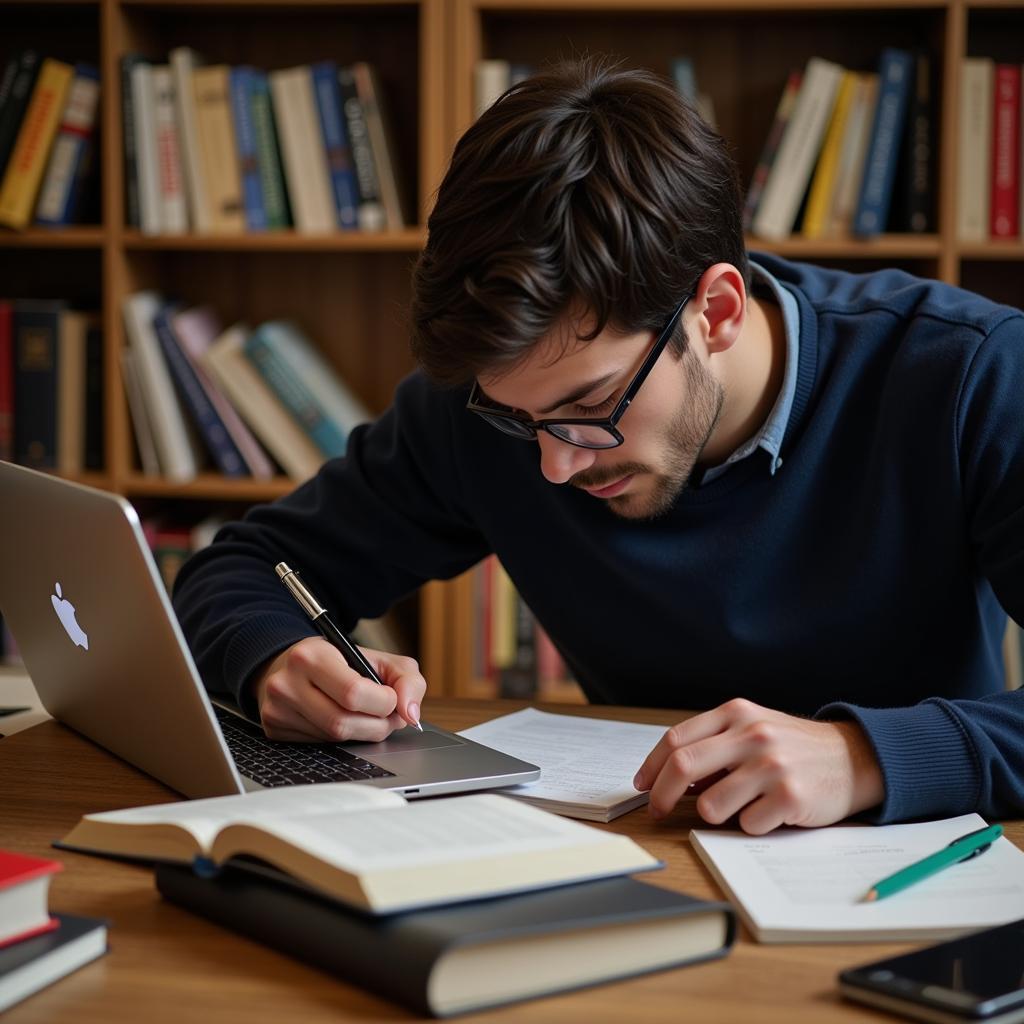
(328, 630)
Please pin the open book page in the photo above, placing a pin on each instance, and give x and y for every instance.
(443, 831)
(203, 819)
(800, 884)
(583, 761)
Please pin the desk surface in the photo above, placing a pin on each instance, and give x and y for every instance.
(167, 965)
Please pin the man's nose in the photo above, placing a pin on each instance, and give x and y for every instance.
(559, 460)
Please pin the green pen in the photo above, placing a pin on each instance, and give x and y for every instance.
(964, 848)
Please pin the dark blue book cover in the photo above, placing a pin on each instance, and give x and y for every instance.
(339, 154)
(245, 137)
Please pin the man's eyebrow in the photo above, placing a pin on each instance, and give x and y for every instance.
(580, 392)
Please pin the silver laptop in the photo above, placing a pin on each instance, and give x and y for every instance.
(94, 624)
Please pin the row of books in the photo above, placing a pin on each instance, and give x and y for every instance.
(237, 399)
(47, 130)
(842, 146)
(990, 192)
(226, 149)
(511, 650)
(51, 386)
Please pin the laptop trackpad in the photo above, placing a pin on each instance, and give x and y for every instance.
(406, 739)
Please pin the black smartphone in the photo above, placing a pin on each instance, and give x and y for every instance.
(976, 977)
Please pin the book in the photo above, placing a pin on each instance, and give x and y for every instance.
(268, 154)
(174, 447)
(974, 151)
(15, 91)
(36, 352)
(1004, 215)
(132, 200)
(141, 425)
(184, 62)
(24, 172)
(798, 151)
(71, 155)
(475, 955)
(31, 965)
(824, 180)
(169, 180)
(304, 157)
(783, 112)
(371, 209)
(24, 890)
(808, 885)
(335, 140)
(245, 142)
(380, 132)
(226, 362)
(852, 157)
(218, 158)
(369, 848)
(918, 173)
(147, 159)
(895, 81)
(587, 764)
(491, 77)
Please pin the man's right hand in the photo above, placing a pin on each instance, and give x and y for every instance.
(308, 693)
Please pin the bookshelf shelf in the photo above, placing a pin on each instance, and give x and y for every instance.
(897, 247)
(409, 240)
(208, 486)
(994, 251)
(40, 238)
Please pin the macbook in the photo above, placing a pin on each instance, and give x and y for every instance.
(94, 624)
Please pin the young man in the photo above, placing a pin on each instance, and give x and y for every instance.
(789, 495)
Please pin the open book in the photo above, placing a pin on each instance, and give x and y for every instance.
(807, 885)
(368, 847)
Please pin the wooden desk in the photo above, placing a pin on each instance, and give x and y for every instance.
(166, 965)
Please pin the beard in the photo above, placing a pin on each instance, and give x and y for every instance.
(684, 441)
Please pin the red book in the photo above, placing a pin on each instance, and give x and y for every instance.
(6, 381)
(24, 889)
(1004, 221)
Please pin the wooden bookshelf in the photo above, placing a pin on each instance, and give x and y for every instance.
(348, 290)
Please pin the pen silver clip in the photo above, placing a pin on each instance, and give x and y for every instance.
(291, 580)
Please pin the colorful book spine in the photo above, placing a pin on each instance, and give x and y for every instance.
(824, 180)
(268, 153)
(72, 150)
(245, 139)
(294, 395)
(1004, 216)
(170, 178)
(24, 172)
(36, 335)
(218, 442)
(895, 77)
(335, 138)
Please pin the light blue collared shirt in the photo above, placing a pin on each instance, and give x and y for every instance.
(769, 437)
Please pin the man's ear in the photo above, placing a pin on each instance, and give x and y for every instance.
(721, 297)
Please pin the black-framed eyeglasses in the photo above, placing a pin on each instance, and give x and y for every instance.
(584, 433)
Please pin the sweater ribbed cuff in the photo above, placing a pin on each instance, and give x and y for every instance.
(252, 646)
(928, 764)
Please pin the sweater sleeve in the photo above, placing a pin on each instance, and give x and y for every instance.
(947, 757)
(369, 528)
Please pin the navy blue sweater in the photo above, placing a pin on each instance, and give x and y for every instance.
(869, 578)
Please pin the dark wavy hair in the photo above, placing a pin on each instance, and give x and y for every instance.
(588, 189)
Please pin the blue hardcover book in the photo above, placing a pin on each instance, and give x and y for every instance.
(71, 154)
(245, 141)
(36, 350)
(296, 396)
(268, 156)
(335, 136)
(218, 441)
(895, 80)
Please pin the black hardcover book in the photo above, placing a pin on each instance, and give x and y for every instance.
(94, 396)
(132, 209)
(916, 175)
(32, 964)
(36, 330)
(473, 955)
(15, 102)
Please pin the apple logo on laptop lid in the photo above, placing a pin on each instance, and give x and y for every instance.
(66, 613)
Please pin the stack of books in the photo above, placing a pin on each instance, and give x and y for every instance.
(47, 132)
(445, 905)
(848, 153)
(225, 149)
(36, 948)
(233, 398)
(51, 386)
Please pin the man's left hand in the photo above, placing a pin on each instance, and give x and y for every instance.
(779, 770)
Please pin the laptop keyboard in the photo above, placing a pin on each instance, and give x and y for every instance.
(289, 764)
